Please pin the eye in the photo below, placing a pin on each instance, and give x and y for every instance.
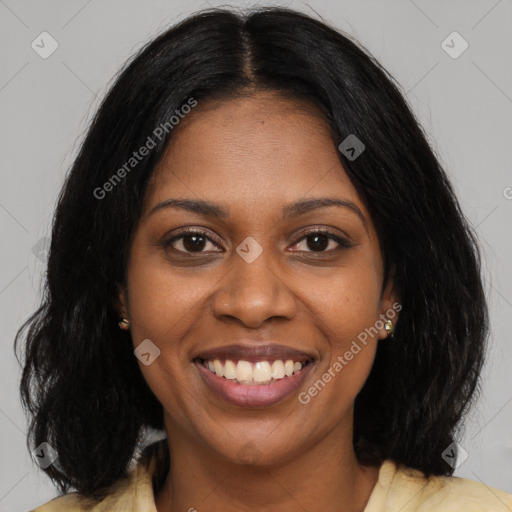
(191, 241)
(321, 241)
(196, 241)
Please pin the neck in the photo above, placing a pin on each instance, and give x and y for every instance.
(326, 476)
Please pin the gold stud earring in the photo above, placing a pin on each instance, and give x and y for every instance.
(124, 324)
(389, 328)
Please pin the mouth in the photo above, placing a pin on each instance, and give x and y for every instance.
(258, 376)
(247, 373)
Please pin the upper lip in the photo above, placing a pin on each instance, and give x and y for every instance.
(253, 353)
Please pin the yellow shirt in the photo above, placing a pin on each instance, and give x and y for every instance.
(397, 490)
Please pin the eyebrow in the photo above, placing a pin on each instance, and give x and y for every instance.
(289, 210)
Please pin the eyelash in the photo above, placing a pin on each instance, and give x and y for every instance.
(343, 244)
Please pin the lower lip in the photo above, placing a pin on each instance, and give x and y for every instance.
(252, 396)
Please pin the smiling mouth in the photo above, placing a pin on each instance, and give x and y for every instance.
(257, 373)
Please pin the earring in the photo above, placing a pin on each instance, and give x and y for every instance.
(124, 324)
(389, 328)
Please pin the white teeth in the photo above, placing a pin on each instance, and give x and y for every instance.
(277, 369)
(243, 371)
(261, 372)
(229, 370)
(219, 370)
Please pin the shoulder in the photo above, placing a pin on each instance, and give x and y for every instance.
(72, 502)
(135, 492)
(408, 490)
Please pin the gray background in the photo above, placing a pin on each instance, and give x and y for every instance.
(464, 105)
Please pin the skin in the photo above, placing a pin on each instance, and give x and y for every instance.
(271, 151)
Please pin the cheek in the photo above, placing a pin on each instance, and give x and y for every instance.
(346, 309)
(349, 350)
(164, 307)
(347, 303)
(163, 302)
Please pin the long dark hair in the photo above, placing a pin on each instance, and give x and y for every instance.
(81, 384)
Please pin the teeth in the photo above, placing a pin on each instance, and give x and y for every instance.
(229, 370)
(261, 372)
(243, 371)
(277, 369)
(219, 370)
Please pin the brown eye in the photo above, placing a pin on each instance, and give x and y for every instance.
(317, 242)
(321, 241)
(194, 242)
(190, 242)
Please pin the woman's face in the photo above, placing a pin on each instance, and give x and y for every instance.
(255, 288)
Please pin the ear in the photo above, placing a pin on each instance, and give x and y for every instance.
(121, 304)
(390, 306)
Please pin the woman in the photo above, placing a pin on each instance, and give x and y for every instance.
(257, 252)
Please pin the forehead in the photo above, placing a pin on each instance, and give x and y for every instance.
(259, 150)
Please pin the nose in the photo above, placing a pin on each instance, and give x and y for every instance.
(253, 293)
